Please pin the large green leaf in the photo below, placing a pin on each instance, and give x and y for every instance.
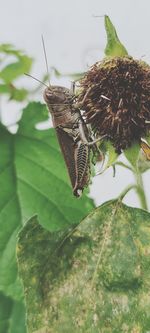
(6, 305)
(17, 318)
(96, 279)
(12, 316)
(33, 179)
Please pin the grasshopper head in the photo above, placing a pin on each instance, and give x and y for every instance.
(56, 95)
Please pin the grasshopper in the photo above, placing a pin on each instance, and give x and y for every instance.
(72, 133)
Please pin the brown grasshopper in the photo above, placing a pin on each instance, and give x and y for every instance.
(72, 133)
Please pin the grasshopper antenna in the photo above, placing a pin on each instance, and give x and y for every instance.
(44, 84)
(46, 61)
(97, 16)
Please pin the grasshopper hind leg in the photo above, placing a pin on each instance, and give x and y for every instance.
(82, 166)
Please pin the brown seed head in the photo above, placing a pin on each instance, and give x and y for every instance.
(118, 103)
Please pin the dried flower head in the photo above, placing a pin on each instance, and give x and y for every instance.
(117, 102)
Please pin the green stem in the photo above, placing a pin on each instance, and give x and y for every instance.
(140, 190)
(126, 190)
(124, 165)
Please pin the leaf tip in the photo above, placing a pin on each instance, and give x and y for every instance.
(114, 47)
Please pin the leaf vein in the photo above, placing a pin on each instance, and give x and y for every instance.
(7, 202)
(8, 165)
(44, 195)
(42, 167)
(39, 141)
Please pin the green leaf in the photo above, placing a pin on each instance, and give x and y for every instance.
(112, 155)
(4, 89)
(132, 154)
(12, 316)
(14, 93)
(5, 312)
(33, 179)
(18, 95)
(143, 164)
(10, 217)
(114, 47)
(12, 71)
(144, 157)
(109, 150)
(126, 166)
(9, 49)
(95, 279)
(16, 69)
(17, 319)
(73, 76)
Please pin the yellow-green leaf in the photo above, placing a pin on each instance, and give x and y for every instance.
(96, 279)
(114, 47)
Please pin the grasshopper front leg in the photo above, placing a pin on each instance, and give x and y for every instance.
(83, 131)
(83, 135)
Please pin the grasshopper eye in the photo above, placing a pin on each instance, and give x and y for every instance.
(48, 95)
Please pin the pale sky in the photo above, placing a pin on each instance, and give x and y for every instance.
(74, 40)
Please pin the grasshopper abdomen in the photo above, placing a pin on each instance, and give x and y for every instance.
(66, 119)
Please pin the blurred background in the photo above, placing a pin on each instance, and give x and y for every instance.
(75, 39)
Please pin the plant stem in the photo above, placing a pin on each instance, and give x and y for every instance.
(126, 190)
(140, 189)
